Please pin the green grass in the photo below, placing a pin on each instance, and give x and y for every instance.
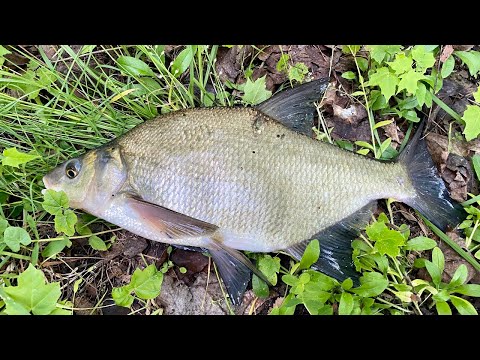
(58, 107)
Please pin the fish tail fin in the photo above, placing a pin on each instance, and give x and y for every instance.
(432, 198)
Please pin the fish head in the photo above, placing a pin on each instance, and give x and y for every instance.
(91, 180)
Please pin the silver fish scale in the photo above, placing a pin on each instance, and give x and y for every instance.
(251, 176)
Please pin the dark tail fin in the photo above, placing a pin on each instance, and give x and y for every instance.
(295, 107)
(433, 199)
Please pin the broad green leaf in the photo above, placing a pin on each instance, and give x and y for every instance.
(183, 60)
(378, 52)
(3, 225)
(404, 296)
(401, 64)
(362, 63)
(463, 306)
(255, 92)
(15, 158)
(290, 279)
(423, 59)
(476, 95)
(382, 123)
(121, 296)
(65, 222)
(471, 116)
(55, 201)
(460, 276)
(349, 75)
(409, 81)
(297, 72)
(133, 66)
(372, 284)
(438, 258)
(14, 236)
(346, 304)
(3, 52)
(269, 266)
(147, 283)
(471, 59)
(420, 243)
(421, 93)
(386, 80)
(97, 243)
(259, 287)
(447, 67)
(469, 290)
(443, 308)
(386, 241)
(347, 284)
(311, 254)
(55, 247)
(434, 272)
(32, 294)
(282, 64)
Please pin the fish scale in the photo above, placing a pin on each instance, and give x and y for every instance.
(247, 173)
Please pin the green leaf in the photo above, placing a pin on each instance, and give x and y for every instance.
(469, 290)
(3, 225)
(471, 59)
(372, 284)
(443, 308)
(87, 49)
(255, 92)
(297, 72)
(282, 64)
(3, 52)
(259, 287)
(290, 279)
(147, 283)
(421, 93)
(14, 236)
(269, 266)
(311, 254)
(346, 304)
(66, 222)
(386, 241)
(55, 201)
(46, 77)
(434, 272)
(423, 59)
(362, 63)
(463, 306)
(378, 52)
(401, 64)
(386, 80)
(347, 284)
(438, 258)
(349, 75)
(13, 157)
(420, 243)
(32, 294)
(409, 81)
(447, 67)
(471, 116)
(460, 276)
(350, 49)
(54, 247)
(476, 95)
(183, 60)
(121, 296)
(133, 66)
(97, 243)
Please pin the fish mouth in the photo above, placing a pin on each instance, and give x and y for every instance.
(47, 184)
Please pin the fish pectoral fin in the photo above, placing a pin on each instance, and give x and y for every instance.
(335, 258)
(295, 108)
(173, 224)
(235, 269)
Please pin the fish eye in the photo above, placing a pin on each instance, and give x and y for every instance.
(72, 169)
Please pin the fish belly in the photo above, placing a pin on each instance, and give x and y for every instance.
(266, 187)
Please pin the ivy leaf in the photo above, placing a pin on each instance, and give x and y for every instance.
(372, 284)
(409, 81)
(14, 236)
(13, 157)
(147, 283)
(447, 67)
(421, 93)
(311, 254)
(32, 294)
(386, 80)
(471, 59)
(97, 243)
(378, 52)
(255, 92)
(476, 95)
(54, 202)
(133, 66)
(424, 59)
(65, 222)
(401, 63)
(471, 116)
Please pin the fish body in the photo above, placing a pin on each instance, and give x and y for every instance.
(227, 179)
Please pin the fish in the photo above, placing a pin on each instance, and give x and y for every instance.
(225, 180)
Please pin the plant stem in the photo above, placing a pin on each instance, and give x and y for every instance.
(16, 256)
(448, 109)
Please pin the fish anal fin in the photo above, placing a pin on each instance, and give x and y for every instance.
(173, 224)
(295, 107)
(235, 269)
(335, 258)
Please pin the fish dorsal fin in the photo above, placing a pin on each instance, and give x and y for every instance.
(169, 222)
(335, 258)
(294, 107)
